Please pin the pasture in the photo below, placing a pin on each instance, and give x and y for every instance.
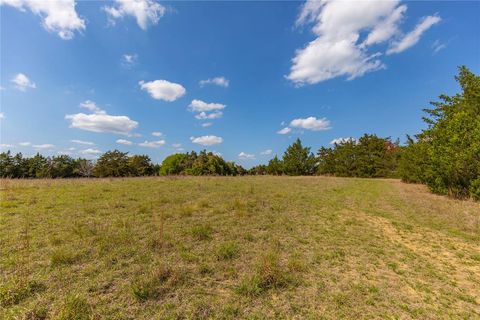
(236, 247)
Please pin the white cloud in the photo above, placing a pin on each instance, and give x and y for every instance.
(213, 115)
(246, 156)
(311, 123)
(2, 115)
(129, 60)
(285, 130)
(45, 146)
(90, 152)
(24, 144)
(342, 140)
(87, 143)
(64, 153)
(411, 38)
(163, 89)
(58, 16)
(90, 105)
(152, 144)
(22, 82)
(5, 145)
(219, 81)
(208, 140)
(146, 12)
(206, 124)
(266, 152)
(124, 142)
(339, 48)
(437, 46)
(199, 106)
(157, 134)
(177, 145)
(100, 121)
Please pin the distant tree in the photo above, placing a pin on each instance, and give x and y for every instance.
(140, 165)
(112, 164)
(275, 166)
(298, 160)
(84, 168)
(261, 169)
(367, 157)
(62, 166)
(173, 164)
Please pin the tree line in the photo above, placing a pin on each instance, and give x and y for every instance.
(445, 156)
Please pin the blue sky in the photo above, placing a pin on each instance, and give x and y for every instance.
(82, 77)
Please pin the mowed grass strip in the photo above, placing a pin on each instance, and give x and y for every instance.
(239, 247)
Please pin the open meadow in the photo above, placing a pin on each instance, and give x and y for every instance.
(236, 247)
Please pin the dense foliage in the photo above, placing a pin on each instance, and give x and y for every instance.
(114, 164)
(110, 164)
(446, 155)
(367, 157)
(201, 164)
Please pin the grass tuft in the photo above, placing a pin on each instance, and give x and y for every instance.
(75, 307)
(202, 232)
(227, 251)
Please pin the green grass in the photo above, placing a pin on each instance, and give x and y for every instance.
(230, 248)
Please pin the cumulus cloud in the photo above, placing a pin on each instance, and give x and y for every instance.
(209, 116)
(311, 123)
(157, 134)
(45, 146)
(285, 130)
(152, 144)
(342, 140)
(266, 152)
(58, 16)
(199, 106)
(90, 152)
(206, 124)
(100, 121)
(87, 143)
(146, 12)
(219, 81)
(124, 142)
(163, 89)
(24, 144)
(246, 156)
(22, 82)
(339, 49)
(208, 140)
(411, 38)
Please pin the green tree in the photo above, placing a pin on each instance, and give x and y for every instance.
(140, 165)
(298, 160)
(173, 164)
(275, 166)
(451, 144)
(112, 164)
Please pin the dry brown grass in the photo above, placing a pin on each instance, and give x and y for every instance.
(227, 248)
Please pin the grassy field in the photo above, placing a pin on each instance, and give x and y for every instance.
(244, 247)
